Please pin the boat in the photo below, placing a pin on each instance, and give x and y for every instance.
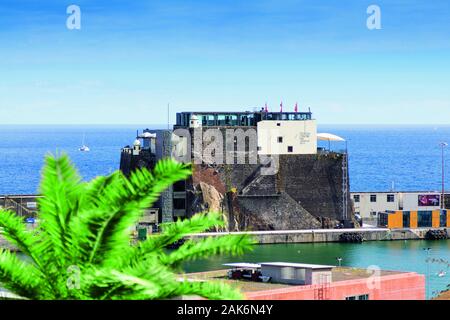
(84, 147)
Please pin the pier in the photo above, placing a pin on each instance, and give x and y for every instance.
(325, 235)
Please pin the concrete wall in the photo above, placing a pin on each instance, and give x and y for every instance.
(288, 275)
(402, 286)
(316, 236)
(318, 276)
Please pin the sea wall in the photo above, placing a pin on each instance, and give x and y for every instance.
(326, 235)
(306, 236)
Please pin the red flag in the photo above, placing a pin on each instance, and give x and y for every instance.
(266, 109)
(281, 106)
(296, 107)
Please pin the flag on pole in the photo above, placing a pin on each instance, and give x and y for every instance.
(266, 109)
(296, 107)
(281, 106)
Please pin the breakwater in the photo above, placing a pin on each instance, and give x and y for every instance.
(309, 236)
(326, 235)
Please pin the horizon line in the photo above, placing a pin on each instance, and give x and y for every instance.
(171, 124)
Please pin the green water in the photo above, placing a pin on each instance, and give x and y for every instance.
(388, 255)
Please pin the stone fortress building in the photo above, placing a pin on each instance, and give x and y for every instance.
(262, 170)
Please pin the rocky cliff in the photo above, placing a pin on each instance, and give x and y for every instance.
(306, 193)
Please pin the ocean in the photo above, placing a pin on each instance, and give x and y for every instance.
(380, 157)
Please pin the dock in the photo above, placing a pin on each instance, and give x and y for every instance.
(325, 235)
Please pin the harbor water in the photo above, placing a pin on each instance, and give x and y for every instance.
(407, 157)
(387, 255)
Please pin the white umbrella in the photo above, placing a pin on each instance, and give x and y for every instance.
(329, 137)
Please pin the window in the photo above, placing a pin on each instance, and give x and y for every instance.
(290, 149)
(360, 297)
(280, 139)
(221, 120)
(443, 220)
(278, 124)
(357, 198)
(390, 198)
(406, 219)
(382, 219)
(179, 204)
(259, 148)
(179, 186)
(424, 219)
(373, 198)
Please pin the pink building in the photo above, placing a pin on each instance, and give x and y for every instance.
(394, 286)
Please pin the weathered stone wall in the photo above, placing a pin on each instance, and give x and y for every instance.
(164, 150)
(304, 194)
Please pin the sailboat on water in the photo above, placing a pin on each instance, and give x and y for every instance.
(84, 147)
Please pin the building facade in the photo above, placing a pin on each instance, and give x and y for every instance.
(261, 170)
(369, 204)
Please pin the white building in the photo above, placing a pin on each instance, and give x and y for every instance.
(287, 137)
(368, 204)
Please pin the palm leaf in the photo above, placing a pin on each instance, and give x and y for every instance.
(171, 232)
(61, 188)
(88, 225)
(14, 230)
(194, 249)
(121, 203)
(209, 290)
(20, 277)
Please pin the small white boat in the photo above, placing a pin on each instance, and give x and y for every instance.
(84, 147)
(442, 274)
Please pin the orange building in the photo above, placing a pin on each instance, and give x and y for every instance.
(414, 219)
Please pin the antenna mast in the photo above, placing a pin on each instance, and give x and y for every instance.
(168, 116)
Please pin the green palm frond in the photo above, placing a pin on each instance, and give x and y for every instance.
(86, 227)
(62, 188)
(172, 232)
(209, 290)
(15, 231)
(121, 203)
(195, 249)
(20, 277)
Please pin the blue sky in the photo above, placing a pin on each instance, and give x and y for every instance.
(131, 58)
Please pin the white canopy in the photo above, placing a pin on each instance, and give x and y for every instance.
(329, 137)
(147, 135)
(243, 265)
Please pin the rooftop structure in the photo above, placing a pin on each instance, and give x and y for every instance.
(233, 119)
(345, 283)
(282, 272)
(250, 166)
(297, 265)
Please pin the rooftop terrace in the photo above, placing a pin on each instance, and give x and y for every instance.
(338, 274)
(245, 119)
